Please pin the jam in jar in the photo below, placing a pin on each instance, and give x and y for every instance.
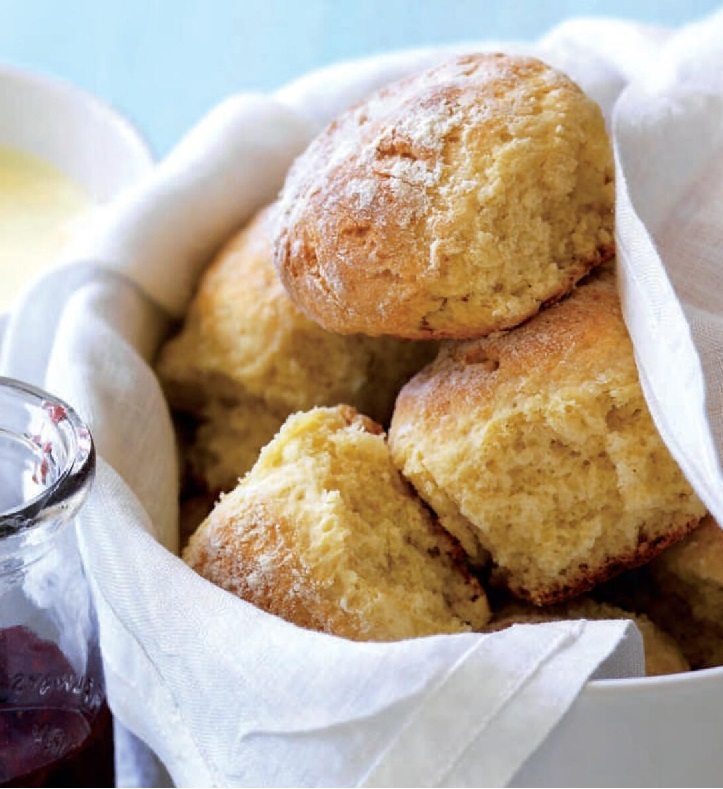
(55, 726)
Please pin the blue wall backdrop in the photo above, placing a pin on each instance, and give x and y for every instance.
(165, 63)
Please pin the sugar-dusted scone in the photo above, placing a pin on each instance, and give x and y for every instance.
(450, 204)
(245, 348)
(324, 532)
(537, 445)
(662, 653)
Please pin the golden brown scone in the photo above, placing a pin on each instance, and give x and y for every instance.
(451, 204)
(685, 593)
(324, 532)
(227, 441)
(193, 511)
(662, 654)
(537, 445)
(244, 347)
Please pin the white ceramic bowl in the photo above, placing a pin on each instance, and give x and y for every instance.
(79, 136)
(660, 731)
(86, 139)
(656, 731)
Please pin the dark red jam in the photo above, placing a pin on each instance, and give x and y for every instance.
(55, 727)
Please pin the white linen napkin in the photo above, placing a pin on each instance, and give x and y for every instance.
(226, 695)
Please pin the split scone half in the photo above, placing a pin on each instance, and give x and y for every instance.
(324, 532)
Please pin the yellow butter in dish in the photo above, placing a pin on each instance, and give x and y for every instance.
(38, 207)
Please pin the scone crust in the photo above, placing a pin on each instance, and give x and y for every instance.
(537, 446)
(451, 204)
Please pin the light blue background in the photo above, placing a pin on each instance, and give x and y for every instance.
(165, 63)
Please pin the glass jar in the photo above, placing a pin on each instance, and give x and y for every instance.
(55, 726)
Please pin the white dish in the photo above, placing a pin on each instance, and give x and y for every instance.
(63, 152)
(637, 732)
(86, 139)
(656, 731)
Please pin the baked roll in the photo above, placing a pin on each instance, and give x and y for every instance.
(663, 654)
(537, 446)
(451, 204)
(684, 593)
(324, 532)
(245, 358)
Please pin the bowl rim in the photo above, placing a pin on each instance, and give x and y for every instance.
(646, 684)
(66, 89)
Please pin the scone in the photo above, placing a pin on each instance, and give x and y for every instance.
(450, 204)
(662, 653)
(537, 445)
(686, 593)
(324, 532)
(244, 348)
(227, 440)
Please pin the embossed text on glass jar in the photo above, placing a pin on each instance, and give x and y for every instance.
(55, 727)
